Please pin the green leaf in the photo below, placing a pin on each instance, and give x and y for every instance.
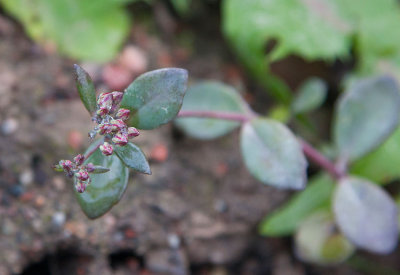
(86, 89)
(366, 115)
(310, 96)
(181, 6)
(272, 154)
(366, 215)
(372, 19)
(155, 98)
(100, 169)
(210, 96)
(280, 113)
(313, 30)
(381, 165)
(286, 219)
(88, 30)
(133, 157)
(105, 189)
(305, 32)
(316, 242)
(252, 25)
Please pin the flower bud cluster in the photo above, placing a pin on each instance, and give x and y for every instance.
(111, 122)
(76, 169)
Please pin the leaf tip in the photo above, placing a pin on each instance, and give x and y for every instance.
(77, 69)
(148, 172)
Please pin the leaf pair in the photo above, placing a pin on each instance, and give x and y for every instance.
(154, 99)
(366, 116)
(366, 215)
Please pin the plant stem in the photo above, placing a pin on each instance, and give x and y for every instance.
(315, 156)
(211, 114)
(312, 153)
(99, 142)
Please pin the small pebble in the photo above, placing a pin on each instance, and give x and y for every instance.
(16, 190)
(221, 169)
(27, 196)
(26, 177)
(134, 59)
(117, 77)
(110, 222)
(159, 153)
(129, 233)
(173, 241)
(118, 236)
(59, 183)
(220, 206)
(75, 139)
(9, 126)
(58, 219)
(39, 201)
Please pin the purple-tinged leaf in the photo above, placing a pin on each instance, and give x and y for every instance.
(86, 89)
(366, 215)
(273, 154)
(155, 98)
(105, 190)
(366, 116)
(133, 157)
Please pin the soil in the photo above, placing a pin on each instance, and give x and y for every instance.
(196, 214)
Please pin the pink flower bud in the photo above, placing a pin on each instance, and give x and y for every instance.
(106, 148)
(120, 139)
(133, 132)
(79, 159)
(82, 175)
(113, 108)
(90, 167)
(102, 111)
(105, 128)
(80, 186)
(117, 97)
(123, 114)
(117, 125)
(105, 100)
(67, 165)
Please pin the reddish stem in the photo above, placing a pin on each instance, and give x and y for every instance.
(312, 153)
(211, 114)
(99, 142)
